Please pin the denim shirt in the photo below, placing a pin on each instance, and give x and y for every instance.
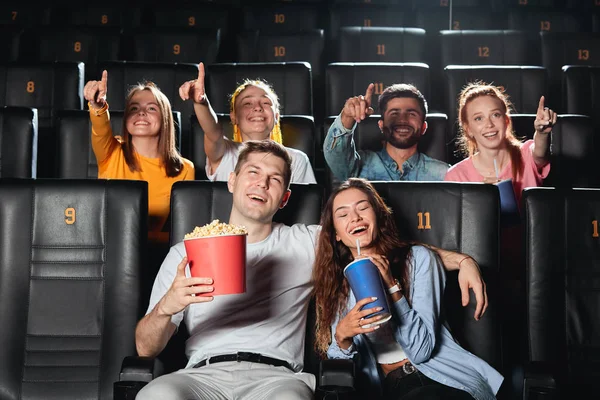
(345, 162)
(425, 339)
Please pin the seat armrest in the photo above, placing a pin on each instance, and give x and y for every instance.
(539, 382)
(140, 369)
(135, 373)
(336, 375)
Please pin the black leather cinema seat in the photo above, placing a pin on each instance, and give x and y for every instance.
(489, 47)
(297, 131)
(563, 292)
(47, 87)
(172, 45)
(292, 81)
(70, 266)
(380, 44)
(574, 149)
(345, 80)
(279, 17)
(75, 158)
(581, 85)
(18, 142)
(196, 203)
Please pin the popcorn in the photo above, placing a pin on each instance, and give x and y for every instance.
(216, 228)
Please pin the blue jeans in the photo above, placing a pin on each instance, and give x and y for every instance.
(418, 386)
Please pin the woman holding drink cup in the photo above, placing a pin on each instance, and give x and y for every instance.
(487, 139)
(414, 350)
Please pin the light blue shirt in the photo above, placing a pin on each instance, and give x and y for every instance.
(345, 162)
(424, 338)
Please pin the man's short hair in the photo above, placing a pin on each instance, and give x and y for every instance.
(267, 147)
(400, 90)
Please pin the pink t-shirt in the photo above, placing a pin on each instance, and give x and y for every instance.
(465, 171)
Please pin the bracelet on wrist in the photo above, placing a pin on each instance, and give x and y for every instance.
(395, 288)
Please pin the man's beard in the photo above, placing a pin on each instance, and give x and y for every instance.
(405, 142)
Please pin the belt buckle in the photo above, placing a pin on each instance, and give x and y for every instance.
(408, 368)
(246, 356)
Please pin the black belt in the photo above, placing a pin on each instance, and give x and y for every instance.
(245, 356)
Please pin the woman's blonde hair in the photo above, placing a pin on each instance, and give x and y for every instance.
(276, 132)
(170, 158)
(466, 144)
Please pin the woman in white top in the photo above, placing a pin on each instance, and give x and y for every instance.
(254, 112)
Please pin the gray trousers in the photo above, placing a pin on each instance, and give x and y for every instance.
(231, 381)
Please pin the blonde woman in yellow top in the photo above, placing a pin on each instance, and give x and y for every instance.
(146, 149)
(254, 113)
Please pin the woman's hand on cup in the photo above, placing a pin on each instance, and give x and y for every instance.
(355, 322)
(185, 291)
(383, 265)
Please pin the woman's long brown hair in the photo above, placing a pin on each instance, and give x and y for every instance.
(466, 144)
(169, 156)
(331, 289)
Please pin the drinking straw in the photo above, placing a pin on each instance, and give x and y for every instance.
(496, 169)
(358, 246)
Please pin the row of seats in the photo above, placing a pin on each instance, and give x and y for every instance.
(575, 144)
(73, 236)
(281, 16)
(353, 44)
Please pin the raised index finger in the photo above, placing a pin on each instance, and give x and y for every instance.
(104, 79)
(541, 105)
(369, 93)
(201, 73)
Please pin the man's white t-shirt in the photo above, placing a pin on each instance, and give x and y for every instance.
(302, 171)
(270, 318)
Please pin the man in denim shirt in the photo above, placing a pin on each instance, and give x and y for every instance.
(403, 109)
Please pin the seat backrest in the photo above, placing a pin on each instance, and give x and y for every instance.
(18, 142)
(47, 87)
(489, 47)
(463, 18)
(86, 44)
(563, 282)
(462, 217)
(297, 131)
(172, 45)
(306, 45)
(574, 149)
(368, 136)
(105, 15)
(10, 42)
(581, 85)
(380, 44)
(548, 20)
(564, 48)
(292, 82)
(524, 85)
(377, 15)
(279, 17)
(345, 80)
(73, 254)
(75, 158)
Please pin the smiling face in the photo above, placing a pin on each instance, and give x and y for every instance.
(354, 219)
(259, 188)
(144, 117)
(255, 113)
(403, 122)
(486, 122)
